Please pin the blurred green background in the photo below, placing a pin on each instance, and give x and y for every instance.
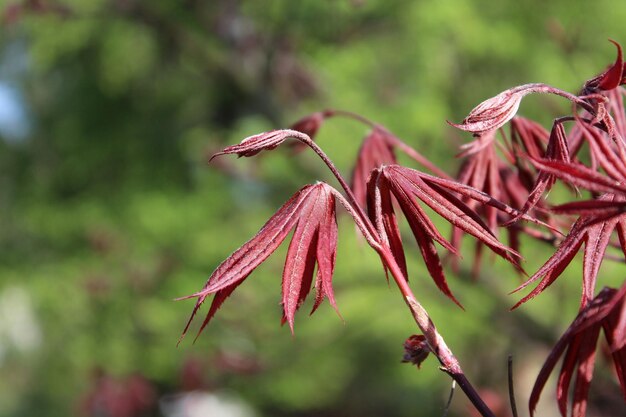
(108, 209)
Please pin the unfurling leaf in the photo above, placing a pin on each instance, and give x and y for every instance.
(311, 214)
(252, 145)
(416, 350)
(309, 125)
(494, 112)
(376, 150)
(612, 77)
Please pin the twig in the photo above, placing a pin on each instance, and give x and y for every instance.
(511, 390)
(447, 407)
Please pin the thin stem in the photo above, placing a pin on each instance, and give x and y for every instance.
(449, 362)
(447, 407)
(511, 390)
(412, 153)
(349, 194)
(353, 116)
(419, 157)
(547, 89)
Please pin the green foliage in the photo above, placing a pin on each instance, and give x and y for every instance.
(108, 210)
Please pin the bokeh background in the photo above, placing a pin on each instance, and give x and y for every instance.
(109, 110)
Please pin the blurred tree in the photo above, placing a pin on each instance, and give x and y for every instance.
(107, 211)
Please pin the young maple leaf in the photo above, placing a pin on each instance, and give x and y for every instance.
(611, 78)
(310, 213)
(606, 311)
(309, 125)
(405, 185)
(594, 230)
(487, 170)
(254, 144)
(480, 170)
(528, 137)
(581, 176)
(556, 150)
(375, 151)
(416, 350)
(496, 111)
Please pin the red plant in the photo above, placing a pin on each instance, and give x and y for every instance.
(503, 180)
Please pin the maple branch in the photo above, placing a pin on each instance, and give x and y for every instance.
(438, 346)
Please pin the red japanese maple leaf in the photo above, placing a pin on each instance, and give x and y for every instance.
(606, 311)
(405, 185)
(594, 227)
(310, 213)
(614, 76)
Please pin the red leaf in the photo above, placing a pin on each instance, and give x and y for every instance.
(579, 175)
(300, 262)
(375, 151)
(326, 255)
(381, 213)
(557, 150)
(311, 211)
(584, 373)
(614, 326)
(406, 185)
(531, 136)
(612, 77)
(433, 263)
(252, 145)
(494, 112)
(603, 151)
(595, 232)
(580, 340)
(309, 125)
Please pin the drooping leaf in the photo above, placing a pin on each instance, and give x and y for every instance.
(612, 77)
(252, 145)
(326, 256)
(300, 260)
(407, 187)
(382, 214)
(579, 344)
(379, 148)
(311, 214)
(375, 151)
(579, 175)
(557, 150)
(594, 230)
